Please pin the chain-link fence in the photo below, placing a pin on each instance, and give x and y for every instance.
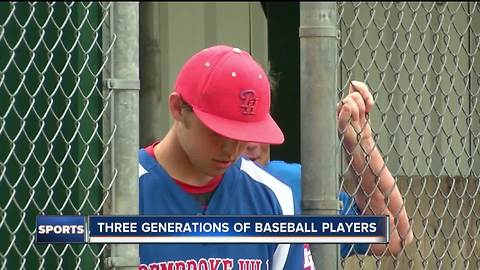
(52, 141)
(417, 58)
(420, 60)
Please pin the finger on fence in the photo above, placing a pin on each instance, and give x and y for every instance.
(419, 61)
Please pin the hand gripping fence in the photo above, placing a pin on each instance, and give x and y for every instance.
(420, 60)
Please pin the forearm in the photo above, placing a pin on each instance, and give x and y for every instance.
(375, 179)
(378, 193)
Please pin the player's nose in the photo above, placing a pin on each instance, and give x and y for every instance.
(252, 146)
(252, 150)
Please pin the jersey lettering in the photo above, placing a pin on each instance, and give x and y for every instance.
(249, 264)
(166, 266)
(192, 265)
(203, 264)
(227, 264)
(154, 266)
(180, 265)
(214, 263)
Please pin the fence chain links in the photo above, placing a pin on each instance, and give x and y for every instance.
(420, 60)
(52, 143)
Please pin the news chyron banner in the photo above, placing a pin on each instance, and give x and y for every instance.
(61, 229)
(212, 229)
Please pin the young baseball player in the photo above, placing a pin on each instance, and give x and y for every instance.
(385, 198)
(221, 100)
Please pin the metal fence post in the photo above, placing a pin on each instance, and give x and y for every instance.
(318, 59)
(125, 84)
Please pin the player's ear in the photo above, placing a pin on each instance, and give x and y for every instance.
(175, 106)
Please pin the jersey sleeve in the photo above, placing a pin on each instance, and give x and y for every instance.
(289, 174)
(351, 208)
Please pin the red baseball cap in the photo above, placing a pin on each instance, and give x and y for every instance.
(230, 94)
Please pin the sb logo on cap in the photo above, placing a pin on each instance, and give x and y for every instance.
(249, 101)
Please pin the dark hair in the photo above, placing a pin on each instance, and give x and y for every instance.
(273, 79)
(185, 105)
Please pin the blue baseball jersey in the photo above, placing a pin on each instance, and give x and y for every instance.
(244, 190)
(291, 175)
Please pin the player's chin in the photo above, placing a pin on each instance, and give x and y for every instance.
(215, 171)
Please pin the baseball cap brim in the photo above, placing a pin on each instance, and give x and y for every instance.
(264, 131)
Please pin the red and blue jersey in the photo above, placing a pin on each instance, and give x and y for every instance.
(245, 189)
